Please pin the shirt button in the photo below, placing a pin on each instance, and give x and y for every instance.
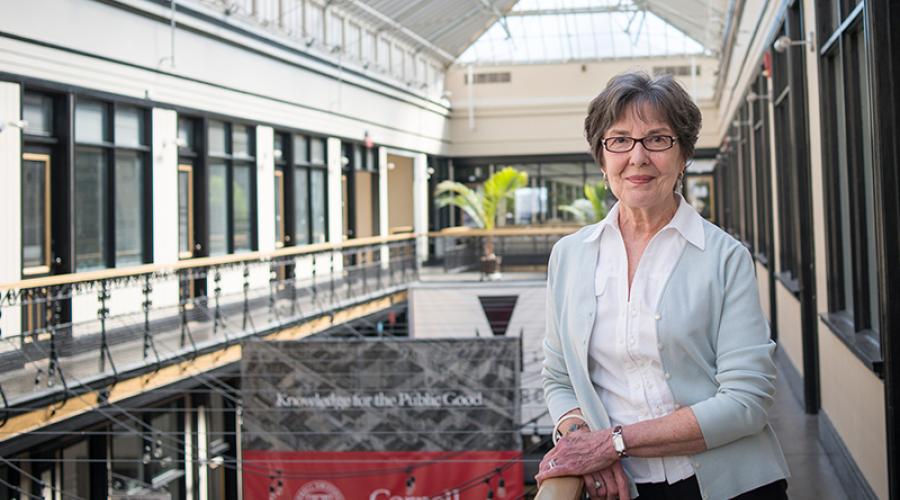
(696, 465)
(633, 311)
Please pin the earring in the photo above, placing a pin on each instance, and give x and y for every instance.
(679, 184)
(605, 180)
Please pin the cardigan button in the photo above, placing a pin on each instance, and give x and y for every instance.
(668, 375)
(658, 316)
(660, 346)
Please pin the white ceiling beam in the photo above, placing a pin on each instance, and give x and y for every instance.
(573, 10)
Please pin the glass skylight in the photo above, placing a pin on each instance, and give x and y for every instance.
(573, 30)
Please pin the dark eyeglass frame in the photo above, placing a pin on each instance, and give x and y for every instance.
(635, 140)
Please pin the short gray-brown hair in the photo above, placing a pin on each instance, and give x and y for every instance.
(630, 91)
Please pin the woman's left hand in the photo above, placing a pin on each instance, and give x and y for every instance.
(578, 454)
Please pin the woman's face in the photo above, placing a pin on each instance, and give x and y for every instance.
(639, 178)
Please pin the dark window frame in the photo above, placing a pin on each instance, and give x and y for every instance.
(848, 138)
(230, 161)
(304, 166)
(109, 148)
(789, 85)
(760, 129)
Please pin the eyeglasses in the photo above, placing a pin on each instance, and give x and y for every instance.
(655, 143)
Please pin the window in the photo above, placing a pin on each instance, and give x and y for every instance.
(368, 47)
(792, 164)
(231, 191)
(280, 144)
(35, 213)
(309, 190)
(188, 162)
(397, 61)
(384, 54)
(336, 31)
(848, 150)
(410, 68)
(747, 219)
(111, 182)
(152, 455)
(760, 124)
(37, 111)
(315, 23)
(353, 41)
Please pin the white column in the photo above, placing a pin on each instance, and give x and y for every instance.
(335, 192)
(10, 202)
(265, 189)
(165, 186)
(420, 204)
(383, 203)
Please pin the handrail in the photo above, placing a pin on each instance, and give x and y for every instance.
(123, 272)
(560, 488)
(464, 231)
(71, 278)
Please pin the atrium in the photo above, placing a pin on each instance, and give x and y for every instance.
(229, 271)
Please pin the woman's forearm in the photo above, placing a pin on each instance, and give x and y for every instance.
(674, 434)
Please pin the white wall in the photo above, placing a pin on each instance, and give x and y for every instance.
(165, 186)
(265, 189)
(541, 109)
(335, 192)
(10, 203)
(209, 75)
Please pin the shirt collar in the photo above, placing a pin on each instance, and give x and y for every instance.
(611, 220)
(687, 221)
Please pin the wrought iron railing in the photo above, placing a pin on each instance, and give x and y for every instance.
(461, 248)
(62, 335)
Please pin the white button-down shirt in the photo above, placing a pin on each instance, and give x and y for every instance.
(624, 361)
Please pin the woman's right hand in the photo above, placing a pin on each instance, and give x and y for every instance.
(612, 481)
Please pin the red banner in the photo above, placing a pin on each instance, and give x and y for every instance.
(360, 475)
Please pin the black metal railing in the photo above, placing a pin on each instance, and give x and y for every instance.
(462, 249)
(67, 333)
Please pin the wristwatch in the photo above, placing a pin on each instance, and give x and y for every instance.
(619, 442)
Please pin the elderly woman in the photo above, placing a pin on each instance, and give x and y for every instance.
(658, 364)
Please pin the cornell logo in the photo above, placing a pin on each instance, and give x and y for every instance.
(319, 490)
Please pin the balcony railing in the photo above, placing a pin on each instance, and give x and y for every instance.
(461, 248)
(64, 335)
(561, 488)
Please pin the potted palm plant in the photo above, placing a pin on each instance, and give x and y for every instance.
(590, 209)
(482, 205)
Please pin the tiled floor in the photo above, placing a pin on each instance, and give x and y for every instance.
(812, 475)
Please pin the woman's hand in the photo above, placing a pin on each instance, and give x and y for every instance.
(579, 454)
(607, 484)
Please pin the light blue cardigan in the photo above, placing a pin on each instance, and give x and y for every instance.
(714, 344)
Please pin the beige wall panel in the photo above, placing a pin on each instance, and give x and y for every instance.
(400, 192)
(762, 280)
(817, 179)
(363, 197)
(556, 97)
(789, 331)
(853, 399)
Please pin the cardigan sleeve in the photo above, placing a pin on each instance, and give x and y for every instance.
(745, 371)
(558, 391)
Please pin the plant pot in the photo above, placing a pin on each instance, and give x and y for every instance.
(490, 266)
